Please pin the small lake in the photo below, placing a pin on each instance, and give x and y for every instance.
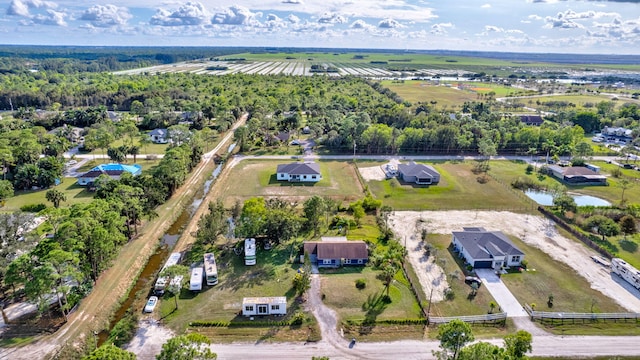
(546, 199)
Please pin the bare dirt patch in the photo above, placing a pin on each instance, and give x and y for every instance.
(148, 340)
(532, 229)
(376, 173)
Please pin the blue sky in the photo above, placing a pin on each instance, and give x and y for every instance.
(559, 26)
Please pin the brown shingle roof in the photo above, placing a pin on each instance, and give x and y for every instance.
(337, 249)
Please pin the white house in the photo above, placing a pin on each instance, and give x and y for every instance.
(299, 172)
(486, 249)
(159, 136)
(276, 305)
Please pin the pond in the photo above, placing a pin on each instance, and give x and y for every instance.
(545, 198)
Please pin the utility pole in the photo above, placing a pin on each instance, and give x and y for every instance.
(354, 151)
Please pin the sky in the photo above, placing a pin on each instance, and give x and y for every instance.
(548, 26)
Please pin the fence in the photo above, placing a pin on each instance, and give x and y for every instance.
(575, 233)
(499, 318)
(418, 294)
(519, 194)
(571, 318)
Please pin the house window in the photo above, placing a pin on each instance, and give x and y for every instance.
(304, 176)
(275, 307)
(249, 308)
(313, 176)
(326, 261)
(333, 261)
(515, 258)
(347, 261)
(359, 261)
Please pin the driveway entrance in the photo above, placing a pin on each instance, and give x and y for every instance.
(505, 299)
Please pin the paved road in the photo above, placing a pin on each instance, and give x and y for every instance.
(505, 299)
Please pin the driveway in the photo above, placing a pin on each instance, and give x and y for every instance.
(505, 299)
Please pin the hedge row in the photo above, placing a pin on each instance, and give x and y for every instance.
(241, 323)
(388, 322)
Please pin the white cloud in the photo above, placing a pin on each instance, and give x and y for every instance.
(273, 22)
(236, 15)
(292, 1)
(21, 7)
(534, 17)
(51, 17)
(361, 24)
(332, 18)
(486, 6)
(441, 28)
(389, 24)
(293, 19)
(106, 16)
(491, 28)
(190, 13)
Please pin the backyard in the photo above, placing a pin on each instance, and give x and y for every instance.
(459, 188)
(339, 182)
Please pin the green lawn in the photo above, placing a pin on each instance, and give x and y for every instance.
(144, 149)
(147, 165)
(258, 178)
(341, 294)
(75, 194)
(459, 188)
(462, 303)
(580, 100)
(272, 276)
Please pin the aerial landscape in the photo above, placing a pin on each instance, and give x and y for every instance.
(320, 180)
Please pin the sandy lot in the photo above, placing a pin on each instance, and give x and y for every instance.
(533, 230)
(148, 340)
(376, 172)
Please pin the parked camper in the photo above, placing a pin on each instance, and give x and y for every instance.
(210, 269)
(626, 271)
(163, 281)
(195, 283)
(250, 251)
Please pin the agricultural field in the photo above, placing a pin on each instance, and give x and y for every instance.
(459, 188)
(339, 182)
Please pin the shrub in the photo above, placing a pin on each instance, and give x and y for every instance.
(297, 318)
(361, 284)
(33, 208)
(449, 294)
(529, 169)
(123, 331)
(524, 263)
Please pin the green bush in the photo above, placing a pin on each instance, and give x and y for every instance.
(124, 330)
(361, 284)
(33, 208)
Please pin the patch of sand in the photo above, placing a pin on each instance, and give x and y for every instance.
(534, 230)
(148, 340)
(377, 173)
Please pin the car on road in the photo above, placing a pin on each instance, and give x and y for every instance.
(151, 304)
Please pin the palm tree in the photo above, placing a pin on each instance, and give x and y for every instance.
(55, 196)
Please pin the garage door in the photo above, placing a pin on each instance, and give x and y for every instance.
(482, 264)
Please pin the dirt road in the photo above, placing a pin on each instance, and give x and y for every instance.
(94, 311)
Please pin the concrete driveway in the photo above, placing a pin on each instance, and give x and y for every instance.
(500, 293)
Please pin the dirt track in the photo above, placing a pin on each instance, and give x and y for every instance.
(115, 282)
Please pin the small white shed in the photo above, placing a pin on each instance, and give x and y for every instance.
(276, 305)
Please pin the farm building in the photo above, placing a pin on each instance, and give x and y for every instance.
(336, 252)
(114, 171)
(299, 172)
(578, 175)
(533, 120)
(276, 305)
(418, 173)
(159, 136)
(486, 249)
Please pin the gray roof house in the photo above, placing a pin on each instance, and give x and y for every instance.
(486, 249)
(299, 172)
(159, 136)
(336, 252)
(418, 173)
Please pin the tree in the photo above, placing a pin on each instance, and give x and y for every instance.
(66, 274)
(302, 281)
(583, 150)
(482, 350)
(187, 347)
(55, 196)
(6, 190)
(602, 225)
(175, 272)
(518, 344)
(386, 276)
(565, 203)
(212, 224)
(628, 225)
(453, 336)
(313, 210)
(624, 184)
(252, 218)
(110, 352)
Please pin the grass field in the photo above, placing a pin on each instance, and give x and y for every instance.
(144, 149)
(580, 100)
(75, 195)
(459, 188)
(339, 182)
